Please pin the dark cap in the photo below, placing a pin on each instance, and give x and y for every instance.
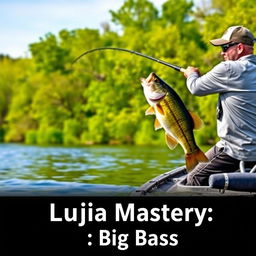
(238, 34)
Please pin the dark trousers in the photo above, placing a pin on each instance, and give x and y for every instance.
(219, 162)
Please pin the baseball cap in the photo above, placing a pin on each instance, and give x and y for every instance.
(237, 34)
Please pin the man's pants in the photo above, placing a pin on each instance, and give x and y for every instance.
(219, 162)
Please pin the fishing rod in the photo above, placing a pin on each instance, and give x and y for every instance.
(177, 68)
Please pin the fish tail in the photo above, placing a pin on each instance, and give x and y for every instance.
(194, 158)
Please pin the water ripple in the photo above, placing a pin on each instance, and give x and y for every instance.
(88, 169)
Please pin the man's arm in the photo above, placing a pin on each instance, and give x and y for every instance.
(215, 81)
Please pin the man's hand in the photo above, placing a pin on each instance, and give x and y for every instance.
(190, 70)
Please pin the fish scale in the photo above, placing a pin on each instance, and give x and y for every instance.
(178, 126)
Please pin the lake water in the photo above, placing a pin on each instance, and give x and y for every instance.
(92, 170)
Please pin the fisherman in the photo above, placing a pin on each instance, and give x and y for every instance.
(234, 79)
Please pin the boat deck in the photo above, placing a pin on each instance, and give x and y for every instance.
(172, 183)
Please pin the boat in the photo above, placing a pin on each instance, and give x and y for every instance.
(173, 183)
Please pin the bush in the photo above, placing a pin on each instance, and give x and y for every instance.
(31, 137)
(71, 132)
(2, 134)
(146, 135)
(50, 135)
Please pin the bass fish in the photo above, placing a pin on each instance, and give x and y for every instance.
(174, 118)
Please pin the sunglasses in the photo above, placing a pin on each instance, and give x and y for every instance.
(225, 47)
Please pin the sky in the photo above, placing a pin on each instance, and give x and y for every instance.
(23, 22)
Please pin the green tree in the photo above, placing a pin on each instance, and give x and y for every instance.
(177, 13)
(48, 55)
(45, 99)
(137, 14)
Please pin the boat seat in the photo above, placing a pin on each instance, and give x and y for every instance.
(234, 181)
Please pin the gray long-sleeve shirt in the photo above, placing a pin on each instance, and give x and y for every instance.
(235, 81)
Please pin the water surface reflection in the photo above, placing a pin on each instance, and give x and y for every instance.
(93, 170)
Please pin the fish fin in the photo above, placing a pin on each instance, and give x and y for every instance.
(170, 141)
(150, 111)
(198, 122)
(159, 109)
(193, 159)
(157, 124)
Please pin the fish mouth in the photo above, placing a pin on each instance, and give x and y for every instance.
(154, 99)
(151, 77)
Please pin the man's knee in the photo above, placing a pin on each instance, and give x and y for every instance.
(195, 179)
(191, 181)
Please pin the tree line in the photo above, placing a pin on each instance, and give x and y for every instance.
(44, 99)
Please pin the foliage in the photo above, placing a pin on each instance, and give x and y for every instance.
(46, 100)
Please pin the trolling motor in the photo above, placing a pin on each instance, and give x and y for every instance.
(177, 68)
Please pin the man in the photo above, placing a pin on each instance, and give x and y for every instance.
(234, 79)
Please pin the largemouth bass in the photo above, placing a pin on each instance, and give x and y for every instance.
(174, 118)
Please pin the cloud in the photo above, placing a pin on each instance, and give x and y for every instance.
(47, 14)
(25, 21)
